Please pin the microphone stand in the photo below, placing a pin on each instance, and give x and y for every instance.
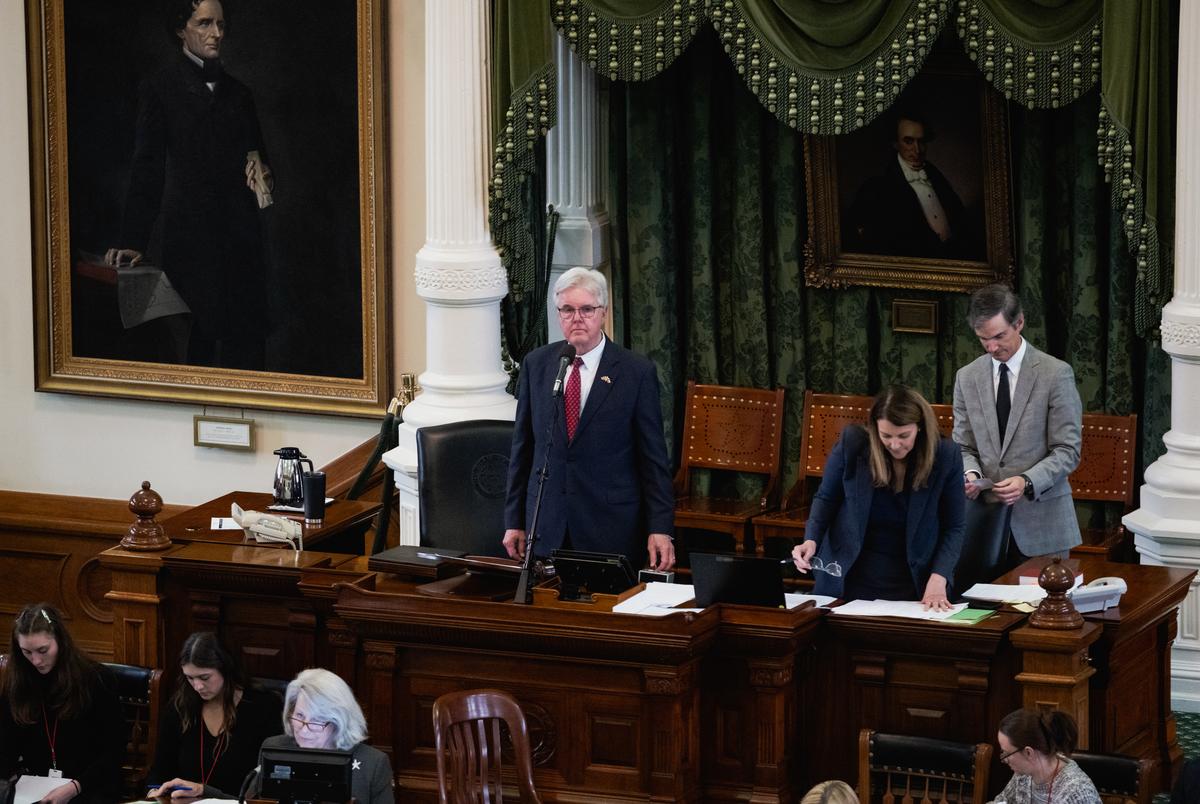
(525, 586)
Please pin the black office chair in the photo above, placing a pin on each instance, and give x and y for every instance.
(462, 471)
(1120, 779)
(138, 691)
(275, 686)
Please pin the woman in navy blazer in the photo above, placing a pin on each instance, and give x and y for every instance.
(887, 521)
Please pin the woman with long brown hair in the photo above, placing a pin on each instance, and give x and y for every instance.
(211, 729)
(59, 715)
(887, 521)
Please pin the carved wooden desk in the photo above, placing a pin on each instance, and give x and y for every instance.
(342, 531)
(728, 704)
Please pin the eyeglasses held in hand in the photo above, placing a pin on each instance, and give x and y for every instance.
(833, 568)
(311, 726)
(567, 312)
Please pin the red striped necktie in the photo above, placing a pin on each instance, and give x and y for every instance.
(572, 398)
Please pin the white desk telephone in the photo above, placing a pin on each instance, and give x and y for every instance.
(269, 527)
(1098, 595)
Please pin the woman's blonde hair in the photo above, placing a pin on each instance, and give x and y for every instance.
(902, 406)
(833, 791)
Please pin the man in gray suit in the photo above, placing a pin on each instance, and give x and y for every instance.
(1018, 420)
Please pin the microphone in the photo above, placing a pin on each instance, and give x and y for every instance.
(246, 783)
(565, 356)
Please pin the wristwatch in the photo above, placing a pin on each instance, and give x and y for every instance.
(1028, 487)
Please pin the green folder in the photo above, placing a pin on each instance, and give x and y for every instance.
(969, 616)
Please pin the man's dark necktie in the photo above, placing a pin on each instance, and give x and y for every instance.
(1003, 401)
(571, 400)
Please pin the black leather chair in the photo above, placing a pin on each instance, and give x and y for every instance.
(462, 471)
(898, 767)
(1120, 779)
(273, 685)
(138, 690)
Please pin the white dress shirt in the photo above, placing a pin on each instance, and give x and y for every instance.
(1014, 370)
(931, 205)
(587, 372)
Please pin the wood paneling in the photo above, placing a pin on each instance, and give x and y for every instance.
(50, 548)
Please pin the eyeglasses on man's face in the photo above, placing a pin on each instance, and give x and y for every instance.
(311, 726)
(567, 312)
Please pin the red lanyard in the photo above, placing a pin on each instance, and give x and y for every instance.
(1050, 789)
(218, 750)
(51, 738)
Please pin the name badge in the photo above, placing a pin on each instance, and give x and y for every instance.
(55, 773)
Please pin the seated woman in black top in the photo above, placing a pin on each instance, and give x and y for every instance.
(887, 521)
(60, 715)
(210, 731)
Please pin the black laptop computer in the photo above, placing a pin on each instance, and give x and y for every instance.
(724, 578)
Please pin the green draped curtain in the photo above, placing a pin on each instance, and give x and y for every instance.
(831, 66)
(709, 227)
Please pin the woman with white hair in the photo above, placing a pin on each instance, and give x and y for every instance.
(319, 711)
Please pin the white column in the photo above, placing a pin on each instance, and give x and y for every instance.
(1167, 526)
(458, 271)
(576, 162)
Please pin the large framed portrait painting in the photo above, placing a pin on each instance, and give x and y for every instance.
(920, 198)
(209, 184)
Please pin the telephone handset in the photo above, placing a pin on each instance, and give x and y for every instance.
(269, 527)
(1098, 595)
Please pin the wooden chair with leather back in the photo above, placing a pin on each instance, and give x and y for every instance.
(1120, 779)
(470, 747)
(825, 416)
(1105, 474)
(138, 691)
(894, 768)
(730, 429)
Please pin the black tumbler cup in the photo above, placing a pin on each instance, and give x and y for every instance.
(314, 498)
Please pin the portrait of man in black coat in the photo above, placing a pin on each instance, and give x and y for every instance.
(200, 175)
(911, 209)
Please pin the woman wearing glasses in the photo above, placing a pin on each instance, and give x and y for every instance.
(59, 712)
(210, 731)
(887, 522)
(1036, 747)
(319, 711)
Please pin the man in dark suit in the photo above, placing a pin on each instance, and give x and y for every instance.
(609, 484)
(200, 172)
(911, 210)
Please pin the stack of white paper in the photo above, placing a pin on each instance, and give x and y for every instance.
(820, 601)
(32, 789)
(1005, 593)
(912, 609)
(658, 600)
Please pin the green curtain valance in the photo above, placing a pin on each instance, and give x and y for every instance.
(821, 67)
(833, 66)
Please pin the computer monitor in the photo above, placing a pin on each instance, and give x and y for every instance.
(724, 578)
(305, 775)
(584, 574)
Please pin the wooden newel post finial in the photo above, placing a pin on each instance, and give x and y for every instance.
(145, 534)
(1056, 610)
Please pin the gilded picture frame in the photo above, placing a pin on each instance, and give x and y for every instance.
(284, 307)
(867, 224)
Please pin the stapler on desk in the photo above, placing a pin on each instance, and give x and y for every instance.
(269, 527)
